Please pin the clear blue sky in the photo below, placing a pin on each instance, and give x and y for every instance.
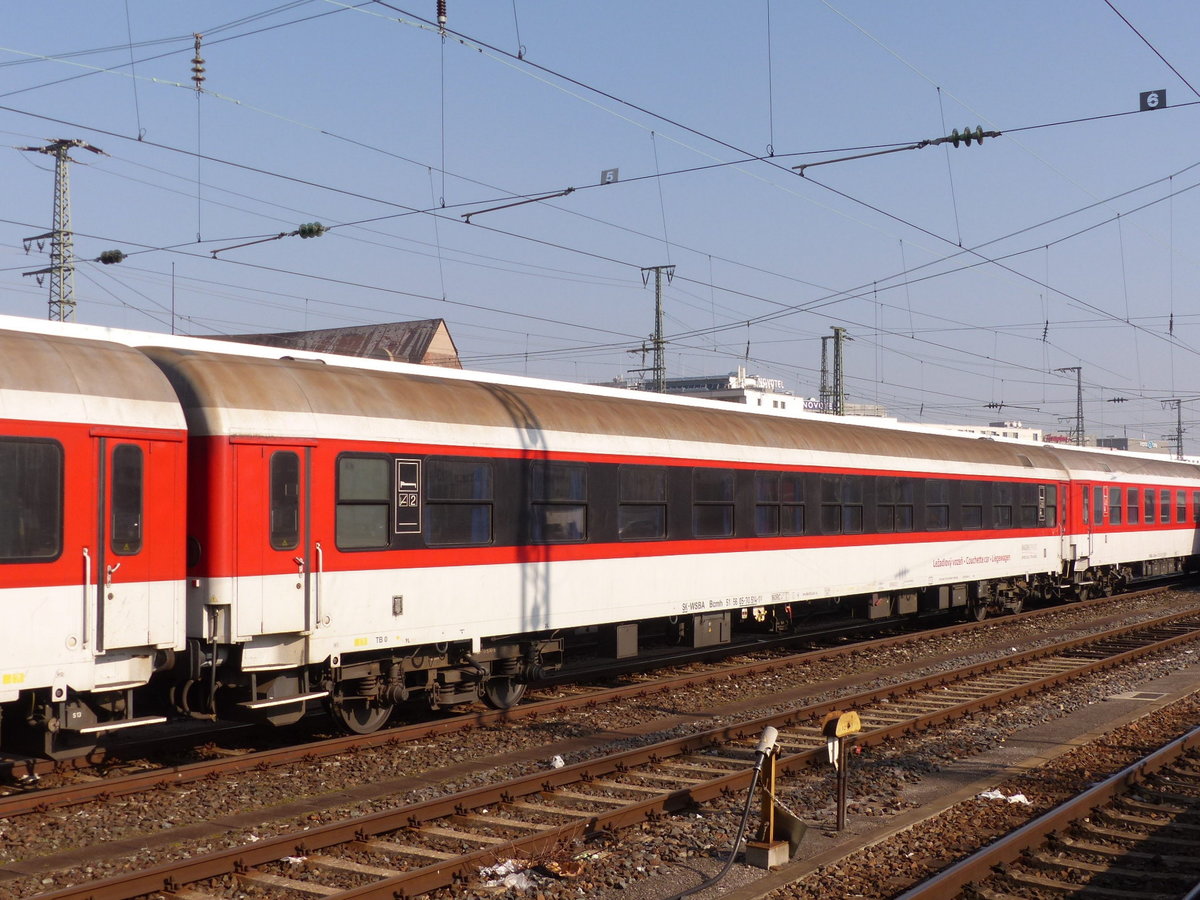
(963, 276)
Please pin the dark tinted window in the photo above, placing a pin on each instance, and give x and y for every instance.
(712, 502)
(126, 514)
(642, 511)
(779, 503)
(31, 505)
(971, 497)
(1134, 500)
(285, 500)
(559, 495)
(1115, 505)
(1002, 504)
(1033, 505)
(364, 502)
(459, 507)
(551, 481)
(937, 504)
(894, 503)
(712, 485)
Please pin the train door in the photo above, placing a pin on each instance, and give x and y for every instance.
(139, 566)
(272, 559)
(1076, 511)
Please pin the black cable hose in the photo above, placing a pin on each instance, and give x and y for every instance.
(737, 841)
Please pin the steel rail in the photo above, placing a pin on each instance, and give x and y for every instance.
(977, 867)
(171, 876)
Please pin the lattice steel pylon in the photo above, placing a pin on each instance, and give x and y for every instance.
(62, 252)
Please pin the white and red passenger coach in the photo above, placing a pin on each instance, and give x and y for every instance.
(92, 449)
(363, 533)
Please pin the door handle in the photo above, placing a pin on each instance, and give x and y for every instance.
(109, 571)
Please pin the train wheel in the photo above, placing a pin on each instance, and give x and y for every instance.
(359, 715)
(978, 610)
(502, 693)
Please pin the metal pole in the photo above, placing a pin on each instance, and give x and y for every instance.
(1078, 430)
(841, 784)
(659, 342)
(62, 253)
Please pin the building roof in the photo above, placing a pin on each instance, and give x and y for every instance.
(427, 341)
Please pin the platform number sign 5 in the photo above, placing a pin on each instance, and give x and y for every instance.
(1153, 100)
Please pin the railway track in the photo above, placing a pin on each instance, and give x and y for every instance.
(1133, 834)
(446, 841)
(27, 796)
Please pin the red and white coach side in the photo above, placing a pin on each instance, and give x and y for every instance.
(372, 532)
(1132, 517)
(92, 444)
(259, 532)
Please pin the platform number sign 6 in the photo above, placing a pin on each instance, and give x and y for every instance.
(1153, 100)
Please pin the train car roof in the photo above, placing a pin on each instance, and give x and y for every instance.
(247, 390)
(238, 395)
(1093, 464)
(57, 378)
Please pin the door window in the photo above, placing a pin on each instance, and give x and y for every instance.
(285, 500)
(128, 471)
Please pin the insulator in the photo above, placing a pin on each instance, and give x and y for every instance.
(441, 12)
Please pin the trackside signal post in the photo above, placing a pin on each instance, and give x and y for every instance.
(839, 728)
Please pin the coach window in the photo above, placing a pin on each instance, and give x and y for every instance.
(1002, 504)
(712, 502)
(1133, 506)
(1164, 506)
(285, 500)
(642, 511)
(766, 504)
(559, 495)
(1149, 506)
(31, 483)
(1196, 506)
(791, 503)
(126, 513)
(831, 504)
(1033, 512)
(893, 504)
(459, 507)
(364, 502)
(1181, 506)
(1097, 505)
(937, 504)
(779, 503)
(852, 504)
(1050, 505)
(885, 503)
(1114, 506)
(1087, 504)
(971, 495)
